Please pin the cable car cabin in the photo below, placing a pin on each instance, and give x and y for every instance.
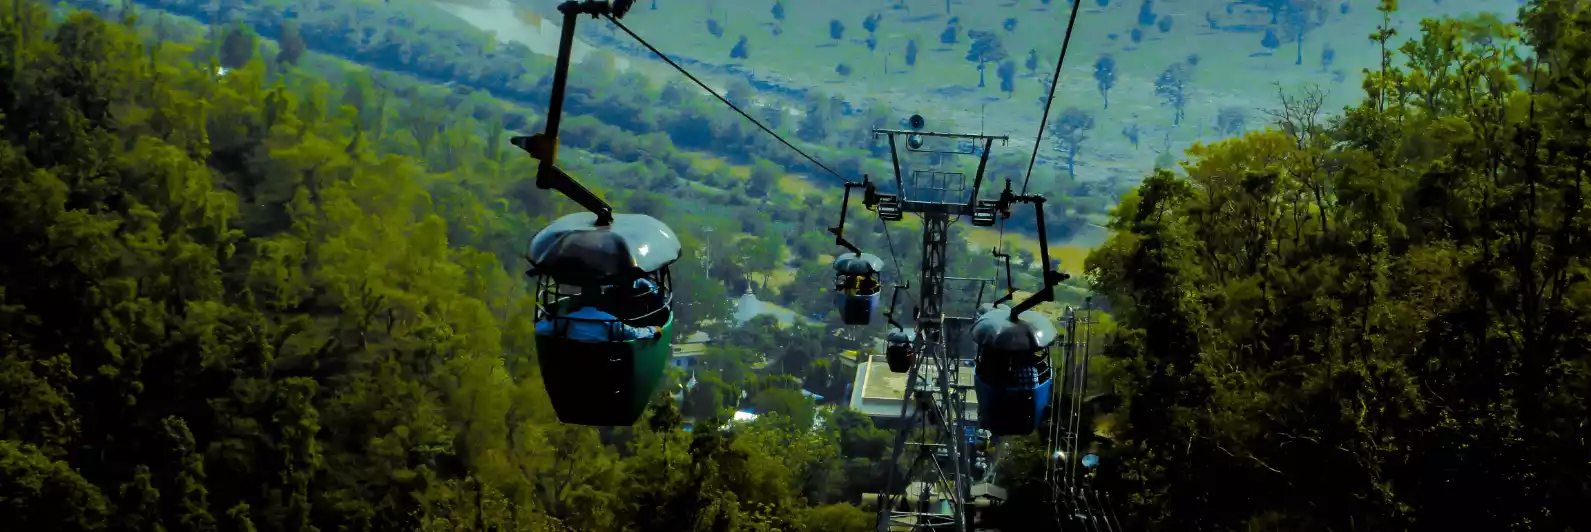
(1013, 376)
(856, 287)
(604, 316)
(898, 352)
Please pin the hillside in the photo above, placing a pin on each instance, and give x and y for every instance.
(265, 270)
(421, 39)
(1234, 70)
(265, 291)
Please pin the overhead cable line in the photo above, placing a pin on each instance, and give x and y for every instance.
(759, 124)
(1054, 81)
(999, 246)
(726, 101)
(895, 258)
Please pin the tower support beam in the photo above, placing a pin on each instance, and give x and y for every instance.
(932, 493)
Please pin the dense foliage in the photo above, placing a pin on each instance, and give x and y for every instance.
(425, 41)
(235, 300)
(1376, 323)
(286, 296)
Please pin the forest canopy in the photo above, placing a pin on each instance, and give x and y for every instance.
(233, 303)
(1377, 321)
(285, 297)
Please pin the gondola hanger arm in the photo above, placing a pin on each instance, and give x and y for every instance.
(544, 146)
(838, 231)
(1052, 276)
(893, 297)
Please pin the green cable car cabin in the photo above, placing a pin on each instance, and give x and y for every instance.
(604, 316)
(604, 309)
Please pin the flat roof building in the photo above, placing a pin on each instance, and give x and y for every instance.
(878, 392)
(687, 353)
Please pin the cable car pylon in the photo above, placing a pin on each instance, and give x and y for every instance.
(935, 490)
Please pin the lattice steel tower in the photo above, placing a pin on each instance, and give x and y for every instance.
(935, 488)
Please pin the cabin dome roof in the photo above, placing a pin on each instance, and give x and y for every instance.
(995, 329)
(574, 250)
(858, 264)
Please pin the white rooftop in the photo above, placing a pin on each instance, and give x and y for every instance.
(878, 392)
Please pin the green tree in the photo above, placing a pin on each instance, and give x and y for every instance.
(814, 125)
(698, 298)
(764, 179)
(985, 48)
(237, 47)
(710, 395)
(760, 255)
(291, 42)
(1007, 73)
(1347, 285)
(838, 517)
(1071, 130)
(741, 50)
(789, 403)
(1105, 76)
(41, 494)
(741, 92)
(1172, 88)
(252, 301)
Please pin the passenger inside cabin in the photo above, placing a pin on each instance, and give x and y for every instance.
(867, 285)
(592, 323)
(858, 285)
(1011, 369)
(644, 298)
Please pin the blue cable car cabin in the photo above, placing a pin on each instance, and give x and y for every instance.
(856, 287)
(898, 351)
(1013, 377)
(605, 322)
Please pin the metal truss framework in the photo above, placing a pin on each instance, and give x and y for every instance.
(1078, 505)
(933, 492)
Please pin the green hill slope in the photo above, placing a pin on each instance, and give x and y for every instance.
(1234, 67)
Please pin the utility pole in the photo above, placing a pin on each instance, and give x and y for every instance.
(707, 253)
